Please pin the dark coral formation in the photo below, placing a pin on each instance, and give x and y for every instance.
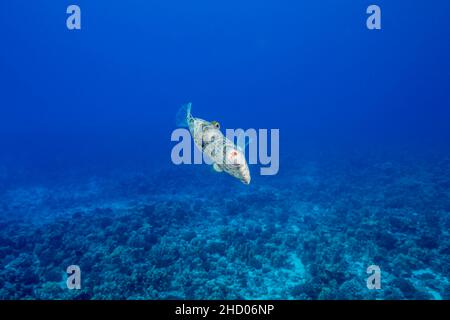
(309, 233)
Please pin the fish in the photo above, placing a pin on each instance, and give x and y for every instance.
(225, 155)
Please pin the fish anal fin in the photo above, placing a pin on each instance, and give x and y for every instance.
(217, 168)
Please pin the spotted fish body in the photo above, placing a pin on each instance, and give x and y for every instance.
(224, 153)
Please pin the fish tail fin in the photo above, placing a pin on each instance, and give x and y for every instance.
(184, 115)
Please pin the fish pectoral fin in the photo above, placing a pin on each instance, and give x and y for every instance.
(217, 168)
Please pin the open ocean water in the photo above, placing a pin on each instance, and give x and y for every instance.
(87, 178)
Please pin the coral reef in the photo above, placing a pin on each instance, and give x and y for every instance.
(308, 233)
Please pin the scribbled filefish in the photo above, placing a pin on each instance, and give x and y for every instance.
(226, 156)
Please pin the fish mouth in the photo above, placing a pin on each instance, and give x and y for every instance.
(245, 177)
(243, 172)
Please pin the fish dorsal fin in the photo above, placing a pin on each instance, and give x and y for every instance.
(240, 148)
(217, 168)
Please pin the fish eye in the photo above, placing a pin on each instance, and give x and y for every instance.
(216, 124)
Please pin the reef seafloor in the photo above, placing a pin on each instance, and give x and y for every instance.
(189, 233)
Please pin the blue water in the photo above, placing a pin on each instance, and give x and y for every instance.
(86, 176)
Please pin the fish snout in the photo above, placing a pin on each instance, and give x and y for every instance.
(237, 160)
(245, 174)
